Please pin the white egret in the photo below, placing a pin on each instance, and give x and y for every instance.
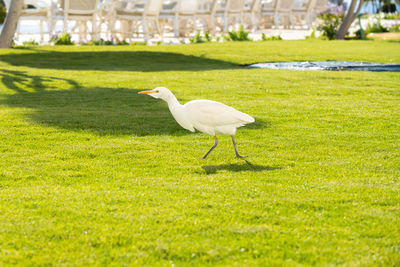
(209, 117)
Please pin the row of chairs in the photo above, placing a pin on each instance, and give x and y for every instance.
(127, 19)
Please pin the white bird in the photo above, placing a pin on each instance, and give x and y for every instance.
(206, 116)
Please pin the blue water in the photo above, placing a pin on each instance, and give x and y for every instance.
(329, 65)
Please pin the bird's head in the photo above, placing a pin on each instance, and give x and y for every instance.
(159, 92)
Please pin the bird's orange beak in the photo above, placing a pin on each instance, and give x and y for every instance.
(145, 92)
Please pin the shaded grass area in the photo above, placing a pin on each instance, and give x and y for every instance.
(198, 57)
(93, 174)
(100, 110)
(114, 60)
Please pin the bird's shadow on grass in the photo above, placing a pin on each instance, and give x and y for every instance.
(258, 123)
(238, 167)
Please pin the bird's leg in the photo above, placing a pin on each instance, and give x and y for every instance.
(215, 144)
(234, 145)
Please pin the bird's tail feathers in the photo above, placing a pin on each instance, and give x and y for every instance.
(246, 118)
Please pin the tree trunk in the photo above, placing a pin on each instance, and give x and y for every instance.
(10, 24)
(349, 18)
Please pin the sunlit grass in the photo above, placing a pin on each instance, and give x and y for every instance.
(91, 173)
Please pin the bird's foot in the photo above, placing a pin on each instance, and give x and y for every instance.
(240, 157)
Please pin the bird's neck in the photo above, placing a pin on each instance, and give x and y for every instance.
(176, 109)
(178, 112)
(173, 103)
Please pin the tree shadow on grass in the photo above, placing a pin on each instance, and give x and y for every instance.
(98, 109)
(238, 167)
(64, 103)
(143, 61)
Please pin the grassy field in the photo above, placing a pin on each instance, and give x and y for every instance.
(91, 173)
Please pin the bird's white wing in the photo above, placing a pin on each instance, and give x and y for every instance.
(212, 113)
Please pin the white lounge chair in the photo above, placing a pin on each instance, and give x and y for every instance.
(181, 14)
(105, 13)
(79, 11)
(269, 12)
(284, 10)
(252, 12)
(206, 12)
(82, 11)
(231, 10)
(135, 18)
(303, 13)
(35, 10)
(167, 15)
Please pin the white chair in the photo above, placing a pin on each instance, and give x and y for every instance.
(206, 12)
(136, 17)
(105, 14)
(231, 10)
(269, 12)
(284, 10)
(252, 12)
(181, 14)
(303, 12)
(186, 14)
(82, 12)
(38, 11)
(167, 15)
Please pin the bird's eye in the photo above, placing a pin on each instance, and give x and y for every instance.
(157, 91)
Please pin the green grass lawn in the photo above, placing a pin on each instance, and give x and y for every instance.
(91, 173)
